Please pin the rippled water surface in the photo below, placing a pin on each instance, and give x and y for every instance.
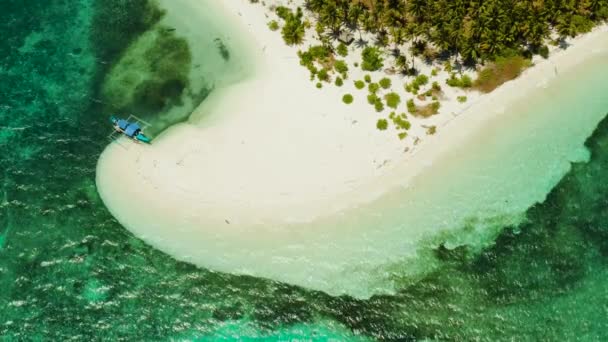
(68, 270)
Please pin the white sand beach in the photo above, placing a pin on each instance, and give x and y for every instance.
(268, 175)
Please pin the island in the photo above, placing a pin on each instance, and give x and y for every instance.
(341, 141)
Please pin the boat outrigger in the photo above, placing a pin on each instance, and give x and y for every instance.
(130, 129)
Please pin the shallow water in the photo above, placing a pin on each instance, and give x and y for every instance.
(68, 270)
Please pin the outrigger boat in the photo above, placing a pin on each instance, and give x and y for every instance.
(130, 129)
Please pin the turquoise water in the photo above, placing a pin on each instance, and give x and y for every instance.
(68, 270)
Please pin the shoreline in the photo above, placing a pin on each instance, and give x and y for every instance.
(269, 167)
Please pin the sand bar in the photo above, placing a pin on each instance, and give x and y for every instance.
(275, 178)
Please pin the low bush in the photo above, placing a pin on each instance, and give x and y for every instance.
(347, 98)
(371, 59)
(401, 122)
(378, 105)
(340, 66)
(392, 100)
(466, 81)
(421, 80)
(385, 83)
(411, 106)
(429, 110)
(462, 82)
(543, 51)
(447, 66)
(323, 75)
(382, 124)
(373, 87)
(371, 99)
(359, 84)
(500, 71)
(316, 53)
(273, 25)
(342, 50)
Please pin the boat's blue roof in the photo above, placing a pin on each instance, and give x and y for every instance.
(132, 129)
(122, 124)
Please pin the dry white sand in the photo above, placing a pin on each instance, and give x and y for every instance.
(243, 186)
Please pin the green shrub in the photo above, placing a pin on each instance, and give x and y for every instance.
(371, 99)
(313, 71)
(421, 80)
(502, 70)
(392, 100)
(436, 86)
(319, 85)
(339, 81)
(428, 110)
(434, 72)
(401, 122)
(402, 135)
(359, 84)
(342, 50)
(543, 51)
(447, 66)
(382, 124)
(453, 81)
(463, 82)
(341, 66)
(306, 58)
(323, 75)
(462, 99)
(408, 87)
(367, 78)
(466, 81)
(372, 60)
(283, 12)
(435, 105)
(378, 105)
(317, 53)
(385, 83)
(411, 106)
(347, 98)
(273, 25)
(373, 87)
